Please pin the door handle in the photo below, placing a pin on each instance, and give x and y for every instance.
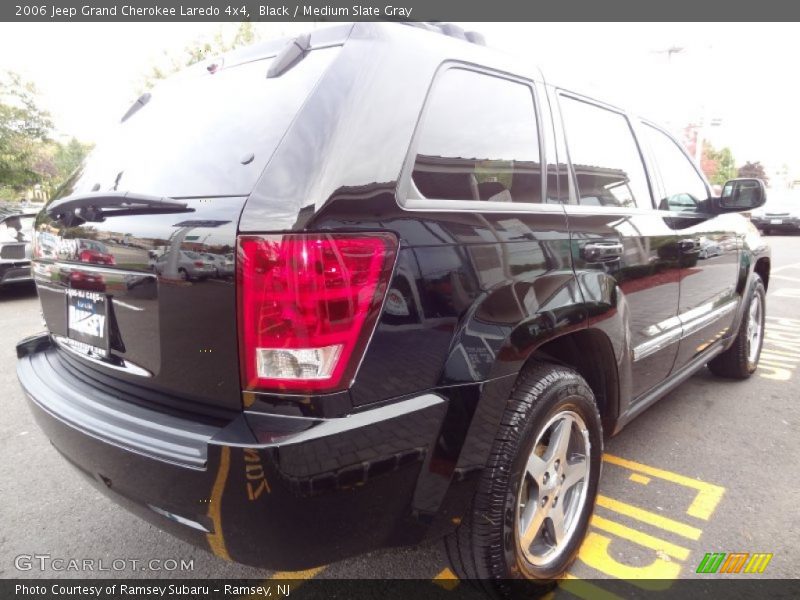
(602, 251)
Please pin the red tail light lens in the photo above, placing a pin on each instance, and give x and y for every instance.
(307, 306)
(198, 263)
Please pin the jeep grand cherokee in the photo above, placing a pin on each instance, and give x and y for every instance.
(453, 277)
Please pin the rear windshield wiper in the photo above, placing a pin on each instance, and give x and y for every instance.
(95, 207)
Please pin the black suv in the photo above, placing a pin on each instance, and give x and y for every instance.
(452, 278)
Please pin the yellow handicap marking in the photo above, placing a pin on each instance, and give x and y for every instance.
(446, 579)
(292, 580)
(655, 576)
(638, 537)
(667, 558)
(636, 478)
(651, 518)
(596, 551)
(708, 494)
(780, 353)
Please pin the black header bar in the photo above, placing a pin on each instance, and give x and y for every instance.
(402, 10)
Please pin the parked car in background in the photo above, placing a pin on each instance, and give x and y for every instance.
(217, 260)
(16, 234)
(190, 265)
(709, 248)
(781, 213)
(439, 311)
(94, 252)
(228, 266)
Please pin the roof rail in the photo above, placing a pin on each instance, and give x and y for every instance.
(450, 30)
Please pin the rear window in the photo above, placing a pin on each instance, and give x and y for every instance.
(202, 134)
(16, 228)
(478, 141)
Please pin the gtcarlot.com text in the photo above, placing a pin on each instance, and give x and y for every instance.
(46, 562)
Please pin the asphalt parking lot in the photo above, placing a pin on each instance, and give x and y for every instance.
(713, 467)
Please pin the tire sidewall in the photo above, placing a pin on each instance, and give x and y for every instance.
(576, 396)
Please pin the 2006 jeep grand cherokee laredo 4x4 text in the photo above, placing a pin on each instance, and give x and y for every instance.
(452, 278)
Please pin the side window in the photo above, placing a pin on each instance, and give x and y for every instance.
(604, 156)
(683, 187)
(478, 141)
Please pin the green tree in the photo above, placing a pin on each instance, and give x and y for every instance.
(718, 165)
(199, 51)
(726, 166)
(755, 169)
(24, 130)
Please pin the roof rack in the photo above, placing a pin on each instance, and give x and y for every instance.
(451, 30)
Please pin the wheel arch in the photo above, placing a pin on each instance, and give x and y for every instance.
(591, 354)
(762, 267)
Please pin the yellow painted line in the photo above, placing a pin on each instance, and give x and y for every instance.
(584, 589)
(636, 478)
(645, 516)
(786, 278)
(708, 494)
(657, 575)
(446, 579)
(643, 539)
(295, 579)
(776, 362)
(778, 352)
(216, 540)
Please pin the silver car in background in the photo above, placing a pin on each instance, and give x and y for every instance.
(190, 266)
(16, 231)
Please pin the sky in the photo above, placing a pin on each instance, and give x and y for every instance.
(740, 75)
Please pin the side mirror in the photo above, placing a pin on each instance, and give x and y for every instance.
(740, 195)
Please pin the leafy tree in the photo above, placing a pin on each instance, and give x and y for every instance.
(726, 166)
(199, 51)
(718, 165)
(755, 169)
(24, 129)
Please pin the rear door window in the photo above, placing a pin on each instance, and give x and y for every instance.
(604, 155)
(478, 141)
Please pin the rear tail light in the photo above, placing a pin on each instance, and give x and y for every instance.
(307, 306)
(198, 263)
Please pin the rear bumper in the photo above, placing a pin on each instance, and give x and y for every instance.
(785, 225)
(266, 490)
(16, 271)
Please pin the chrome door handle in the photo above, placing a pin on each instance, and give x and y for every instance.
(602, 251)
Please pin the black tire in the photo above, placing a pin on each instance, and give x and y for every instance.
(767, 231)
(485, 547)
(737, 362)
(183, 274)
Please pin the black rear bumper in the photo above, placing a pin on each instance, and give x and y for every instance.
(266, 490)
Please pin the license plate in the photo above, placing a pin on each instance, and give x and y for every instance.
(87, 320)
(776, 221)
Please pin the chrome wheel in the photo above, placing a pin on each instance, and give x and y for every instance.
(553, 489)
(755, 328)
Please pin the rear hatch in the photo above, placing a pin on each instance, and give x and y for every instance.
(144, 298)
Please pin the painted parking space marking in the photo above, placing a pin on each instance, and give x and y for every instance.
(663, 560)
(780, 354)
(446, 579)
(651, 518)
(283, 583)
(638, 537)
(635, 553)
(708, 494)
